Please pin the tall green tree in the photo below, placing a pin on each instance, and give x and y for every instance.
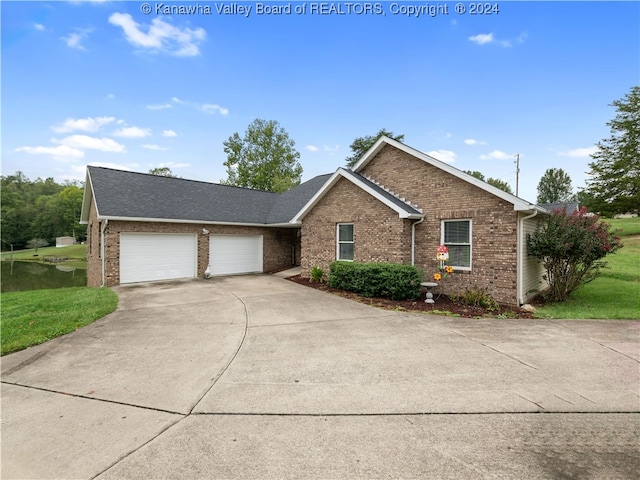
(265, 158)
(477, 174)
(614, 184)
(361, 144)
(162, 172)
(501, 184)
(555, 187)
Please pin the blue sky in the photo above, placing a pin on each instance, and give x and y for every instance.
(102, 83)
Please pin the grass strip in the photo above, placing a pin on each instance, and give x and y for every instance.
(34, 317)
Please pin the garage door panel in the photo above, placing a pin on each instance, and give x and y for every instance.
(149, 257)
(235, 254)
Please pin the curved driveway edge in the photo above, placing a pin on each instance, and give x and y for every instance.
(248, 376)
(163, 348)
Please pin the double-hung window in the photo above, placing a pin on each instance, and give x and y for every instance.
(456, 236)
(344, 245)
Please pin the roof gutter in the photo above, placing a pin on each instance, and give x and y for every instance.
(521, 256)
(413, 240)
(196, 222)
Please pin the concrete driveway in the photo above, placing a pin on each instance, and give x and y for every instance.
(258, 377)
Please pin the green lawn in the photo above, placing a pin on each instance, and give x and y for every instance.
(616, 293)
(34, 317)
(628, 226)
(77, 254)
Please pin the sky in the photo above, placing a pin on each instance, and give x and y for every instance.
(139, 85)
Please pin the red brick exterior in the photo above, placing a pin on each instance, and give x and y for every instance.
(380, 235)
(281, 246)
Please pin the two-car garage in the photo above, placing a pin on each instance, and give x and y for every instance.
(146, 257)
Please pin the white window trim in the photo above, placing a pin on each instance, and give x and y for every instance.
(442, 222)
(338, 242)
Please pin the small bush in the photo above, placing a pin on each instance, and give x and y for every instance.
(317, 274)
(386, 280)
(476, 297)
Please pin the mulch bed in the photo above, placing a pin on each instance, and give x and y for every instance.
(442, 306)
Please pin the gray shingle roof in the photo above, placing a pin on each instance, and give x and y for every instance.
(124, 194)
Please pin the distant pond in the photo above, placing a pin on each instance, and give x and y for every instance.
(21, 276)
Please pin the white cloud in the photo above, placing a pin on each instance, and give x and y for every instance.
(160, 35)
(173, 165)
(473, 141)
(486, 38)
(496, 155)
(161, 106)
(61, 153)
(152, 146)
(89, 124)
(169, 133)
(446, 156)
(510, 43)
(85, 142)
(39, 26)
(213, 109)
(482, 38)
(210, 108)
(132, 132)
(74, 40)
(325, 148)
(579, 152)
(110, 96)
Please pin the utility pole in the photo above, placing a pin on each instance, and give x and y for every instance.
(517, 155)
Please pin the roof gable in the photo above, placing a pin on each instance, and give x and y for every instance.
(518, 203)
(404, 209)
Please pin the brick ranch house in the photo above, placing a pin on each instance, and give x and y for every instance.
(396, 204)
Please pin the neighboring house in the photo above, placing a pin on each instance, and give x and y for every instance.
(568, 207)
(64, 241)
(396, 205)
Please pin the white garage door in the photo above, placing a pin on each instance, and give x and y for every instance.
(146, 257)
(233, 254)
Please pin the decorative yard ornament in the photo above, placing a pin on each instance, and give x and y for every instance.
(442, 253)
(207, 272)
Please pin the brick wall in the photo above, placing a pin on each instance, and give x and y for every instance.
(379, 235)
(441, 196)
(278, 245)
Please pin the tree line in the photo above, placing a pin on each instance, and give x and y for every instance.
(35, 212)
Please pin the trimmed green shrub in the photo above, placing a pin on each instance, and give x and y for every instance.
(387, 280)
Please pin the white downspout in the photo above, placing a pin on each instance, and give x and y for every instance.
(102, 229)
(413, 240)
(521, 256)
